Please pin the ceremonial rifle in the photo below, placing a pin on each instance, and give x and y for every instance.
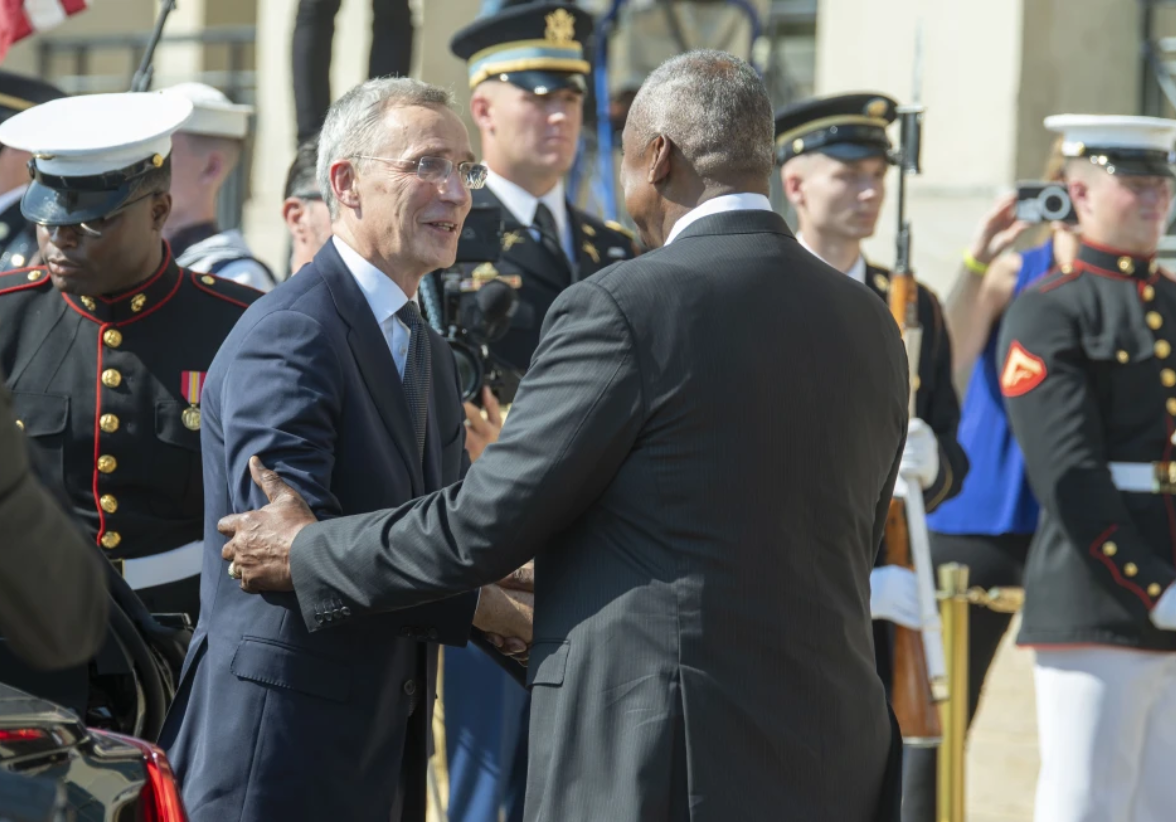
(920, 672)
(142, 79)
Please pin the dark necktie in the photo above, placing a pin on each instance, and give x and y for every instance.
(418, 371)
(548, 232)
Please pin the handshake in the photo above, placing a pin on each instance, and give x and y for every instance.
(505, 613)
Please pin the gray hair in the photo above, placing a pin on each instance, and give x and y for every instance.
(714, 108)
(355, 122)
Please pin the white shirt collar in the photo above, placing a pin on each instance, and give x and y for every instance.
(522, 203)
(383, 295)
(8, 198)
(744, 201)
(857, 271)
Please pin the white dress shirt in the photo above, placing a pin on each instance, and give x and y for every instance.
(522, 204)
(744, 201)
(384, 297)
(857, 271)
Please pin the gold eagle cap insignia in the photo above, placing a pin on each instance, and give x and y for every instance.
(561, 27)
(877, 108)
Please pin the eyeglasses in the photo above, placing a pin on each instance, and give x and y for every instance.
(436, 170)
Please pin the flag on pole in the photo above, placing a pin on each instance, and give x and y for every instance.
(20, 18)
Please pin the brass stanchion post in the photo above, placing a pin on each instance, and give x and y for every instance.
(953, 593)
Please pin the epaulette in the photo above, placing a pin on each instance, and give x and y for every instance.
(1056, 277)
(229, 291)
(620, 229)
(22, 279)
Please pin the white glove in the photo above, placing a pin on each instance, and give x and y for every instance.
(894, 596)
(920, 457)
(1163, 615)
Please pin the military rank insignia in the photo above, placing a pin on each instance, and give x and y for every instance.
(1022, 372)
(191, 386)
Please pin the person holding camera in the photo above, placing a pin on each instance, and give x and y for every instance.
(528, 73)
(1090, 387)
(989, 525)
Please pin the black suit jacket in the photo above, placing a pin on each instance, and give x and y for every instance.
(700, 458)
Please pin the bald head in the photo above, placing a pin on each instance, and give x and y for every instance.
(714, 108)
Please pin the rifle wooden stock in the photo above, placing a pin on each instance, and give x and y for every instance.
(910, 685)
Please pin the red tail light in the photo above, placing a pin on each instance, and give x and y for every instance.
(160, 797)
(22, 734)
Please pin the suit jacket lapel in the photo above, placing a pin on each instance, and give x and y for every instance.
(371, 353)
(433, 434)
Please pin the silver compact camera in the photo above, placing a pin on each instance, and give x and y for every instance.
(1040, 201)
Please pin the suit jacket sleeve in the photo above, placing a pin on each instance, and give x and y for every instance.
(1060, 430)
(942, 412)
(577, 415)
(53, 600)
(281, 401)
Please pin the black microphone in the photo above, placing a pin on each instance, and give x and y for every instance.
(488, 315)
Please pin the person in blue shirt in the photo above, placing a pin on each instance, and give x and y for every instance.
(989, 525)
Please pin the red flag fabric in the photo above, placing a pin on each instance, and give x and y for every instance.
(20, 18)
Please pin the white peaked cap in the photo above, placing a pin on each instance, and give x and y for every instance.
(96, 133)
(1081, 132)
(214, 114)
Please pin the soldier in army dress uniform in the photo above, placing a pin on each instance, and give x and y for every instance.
(528, 74)
(106, 344)
(18, 237)
(1089, 381)
(834, 154)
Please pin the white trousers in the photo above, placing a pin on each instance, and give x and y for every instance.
(1106, 726)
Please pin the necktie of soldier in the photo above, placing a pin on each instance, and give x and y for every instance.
(549, 232)
(418, 371)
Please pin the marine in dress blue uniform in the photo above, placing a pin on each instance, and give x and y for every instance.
(1088, 380)
(106, 366)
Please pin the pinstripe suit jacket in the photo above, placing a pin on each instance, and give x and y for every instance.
(700, 457)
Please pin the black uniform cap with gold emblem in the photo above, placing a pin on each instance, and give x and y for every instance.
(535, 46)
(848, 127)
(19, 93)
(1119, 144)
(89, 151)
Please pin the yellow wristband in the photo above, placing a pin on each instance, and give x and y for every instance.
(975, 266)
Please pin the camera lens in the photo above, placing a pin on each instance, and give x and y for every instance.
(470, 372)
(1055, 203)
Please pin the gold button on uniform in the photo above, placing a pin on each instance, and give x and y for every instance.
(109, 503)
(208, 279)
(111, 378)
(89, 303)
(916, 383)
(1149, 293)
(1171, 406)
(1168, 377)
(111, 539)
(20, 424)
(107, 464)
(137, 302)
(33, 275)
(108, 423)
(1130, 569)
(1154, 589)
(1126, 265)
(112, 337)
(1122, 356)
(1163, 349)
(18, 260)
(1154, 320)
(1110, 549)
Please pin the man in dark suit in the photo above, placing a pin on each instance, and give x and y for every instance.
(700, 459)
(336, 381)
